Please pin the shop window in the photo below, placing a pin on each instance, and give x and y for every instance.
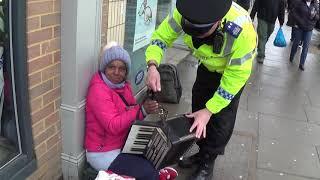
(9, 140)
(17, 158)
(163, 9)
(141, 19)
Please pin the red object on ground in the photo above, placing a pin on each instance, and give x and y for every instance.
(168, 173)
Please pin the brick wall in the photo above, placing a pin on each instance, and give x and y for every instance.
(43, 47)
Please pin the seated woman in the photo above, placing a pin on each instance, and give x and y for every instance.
(110, 110)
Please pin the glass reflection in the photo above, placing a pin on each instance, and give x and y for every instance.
(9, 146)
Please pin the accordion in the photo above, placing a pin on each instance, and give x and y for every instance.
(161, 142)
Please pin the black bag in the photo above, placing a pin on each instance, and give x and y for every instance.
(171, 89)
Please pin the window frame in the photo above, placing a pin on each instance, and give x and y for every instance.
(23, 165)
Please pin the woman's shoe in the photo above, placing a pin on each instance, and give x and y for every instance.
(168, 173)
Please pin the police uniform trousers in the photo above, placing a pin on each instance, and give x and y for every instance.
(220, 126)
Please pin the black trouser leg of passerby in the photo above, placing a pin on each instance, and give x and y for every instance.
(244, 5)
(219, 127)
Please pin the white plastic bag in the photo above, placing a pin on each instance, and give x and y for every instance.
(103, 175)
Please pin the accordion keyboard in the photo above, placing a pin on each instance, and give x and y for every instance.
(138, 139)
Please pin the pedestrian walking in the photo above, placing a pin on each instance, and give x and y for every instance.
(290, 18)
(305, 15)
(267, 12)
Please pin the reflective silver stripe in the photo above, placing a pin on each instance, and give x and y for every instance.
(242, 19)
(239, 61)
(229, 44)
(174, 25)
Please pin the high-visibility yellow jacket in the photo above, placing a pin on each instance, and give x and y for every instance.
(234, 61)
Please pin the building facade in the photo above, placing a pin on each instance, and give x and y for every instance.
(50, 50)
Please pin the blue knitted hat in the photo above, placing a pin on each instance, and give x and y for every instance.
(111, 52)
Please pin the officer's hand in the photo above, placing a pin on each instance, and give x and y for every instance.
(153, 79)
(201, 119)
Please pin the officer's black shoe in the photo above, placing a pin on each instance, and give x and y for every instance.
(205, 168)
(188, 162)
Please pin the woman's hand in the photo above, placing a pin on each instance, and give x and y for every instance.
(150, 106)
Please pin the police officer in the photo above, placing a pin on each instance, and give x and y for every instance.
(222, 37)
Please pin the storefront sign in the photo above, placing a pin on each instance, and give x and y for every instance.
(145, 23)
(139, 77)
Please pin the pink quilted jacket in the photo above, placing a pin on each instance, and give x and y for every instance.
(108, 119)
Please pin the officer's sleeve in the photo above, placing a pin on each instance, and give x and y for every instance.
(237, 70)
(167, 32)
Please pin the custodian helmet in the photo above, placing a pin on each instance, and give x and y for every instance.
(203, 11)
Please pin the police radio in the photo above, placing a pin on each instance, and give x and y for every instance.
(217, 42)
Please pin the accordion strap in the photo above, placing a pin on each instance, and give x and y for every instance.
(124, 100)
(128, 105)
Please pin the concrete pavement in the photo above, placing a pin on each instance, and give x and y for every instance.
(277, 133)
